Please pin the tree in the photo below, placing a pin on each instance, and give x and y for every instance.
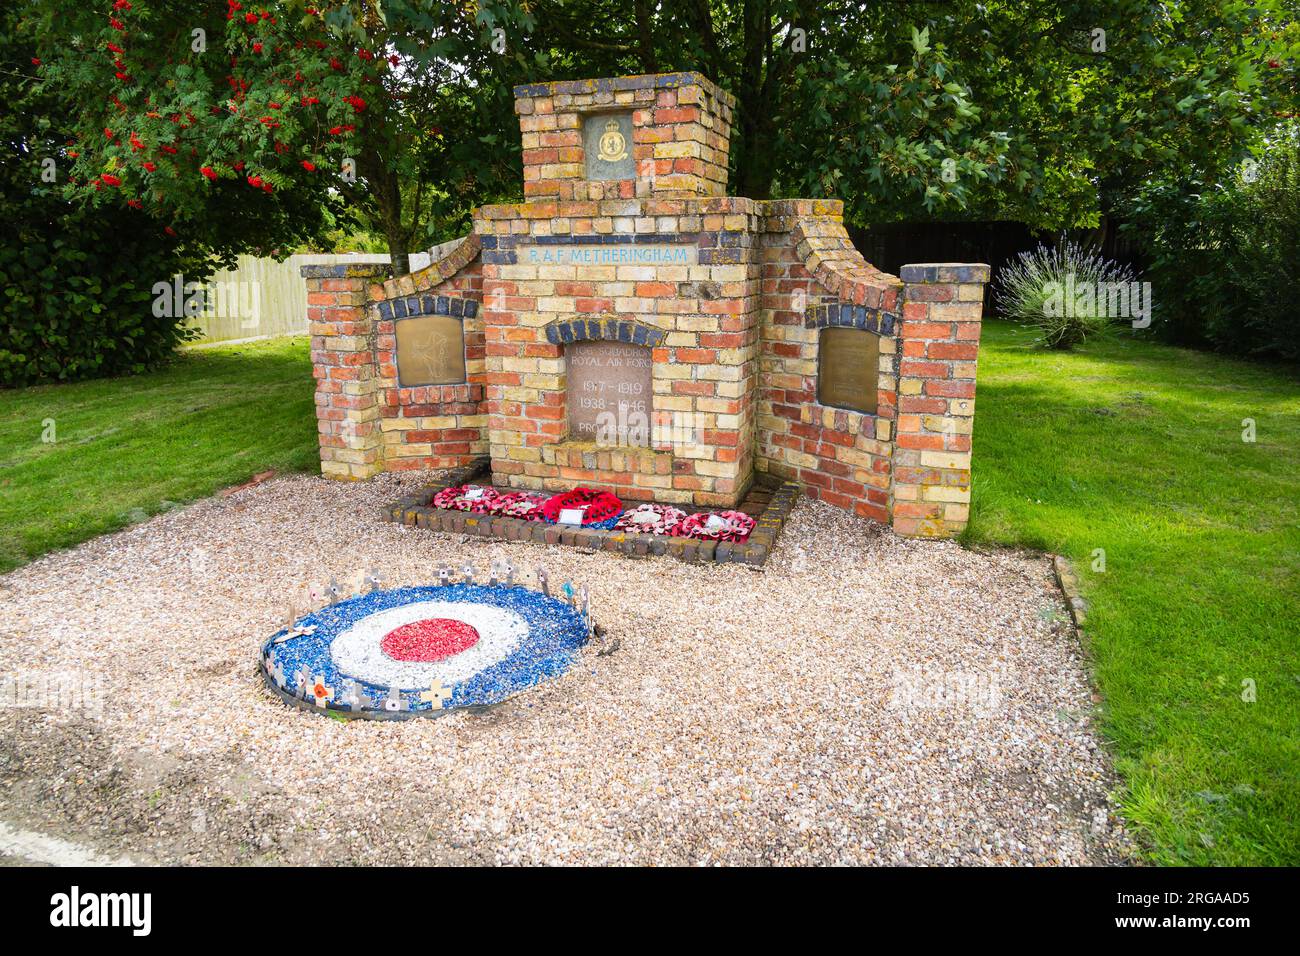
(1050, 112)
(238, 123)
(1045, 111)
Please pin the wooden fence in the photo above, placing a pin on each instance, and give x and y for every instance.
(262, 298)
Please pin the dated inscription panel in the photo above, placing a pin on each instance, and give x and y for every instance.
(430, 350)
(607, 146)
(848, 368)
(609, 393)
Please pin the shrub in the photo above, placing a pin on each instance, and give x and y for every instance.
(76, 283)
(1225, 257)
(77, 293)
(1039, 289)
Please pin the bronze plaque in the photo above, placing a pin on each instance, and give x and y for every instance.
(430, 351)
(609, 398)
(848, 368)
(607, 146)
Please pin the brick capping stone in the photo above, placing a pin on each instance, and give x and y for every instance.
(645, 81)
(410, 306)
(734, 329)
(362, 270)
(612, 330)
(850, 317)
(435, 272)
(829, 255)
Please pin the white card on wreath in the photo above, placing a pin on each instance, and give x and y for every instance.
(570, 516)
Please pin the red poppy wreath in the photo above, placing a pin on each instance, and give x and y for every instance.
(716, 526)
(651, 518)
(475, 498)
(523, 504)
(599, 508)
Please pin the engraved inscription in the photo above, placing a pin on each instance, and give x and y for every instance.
(613, 254)
(609, 394)
(430, 351)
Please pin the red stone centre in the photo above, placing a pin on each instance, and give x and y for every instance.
(430, 640)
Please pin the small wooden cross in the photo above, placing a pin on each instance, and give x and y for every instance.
(395, 701)
(299, 631)
(438, 691)
(325, 697)
(352, 695)
(276, 672)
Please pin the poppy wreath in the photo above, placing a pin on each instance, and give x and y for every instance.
(601, 508)
(651, 518)
(522, 504)
(456, 498)
(737, 527)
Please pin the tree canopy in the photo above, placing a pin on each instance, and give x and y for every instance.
(247, 125)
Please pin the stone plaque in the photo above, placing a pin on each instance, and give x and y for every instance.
(848, 368)
(611, 254)
(430, 350)
(609, 397)
(607, 146)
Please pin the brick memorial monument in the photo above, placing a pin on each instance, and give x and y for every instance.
(629, 327)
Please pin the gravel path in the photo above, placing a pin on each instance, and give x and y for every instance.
(866, 700)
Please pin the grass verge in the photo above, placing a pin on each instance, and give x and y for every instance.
(126, 448)
(1134, 452)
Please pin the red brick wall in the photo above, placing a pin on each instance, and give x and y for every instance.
(342, 342)
(942, 315)
(435, 426)
(839, 456)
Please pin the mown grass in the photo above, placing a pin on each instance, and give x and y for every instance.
(1136, 450)
(127, 448)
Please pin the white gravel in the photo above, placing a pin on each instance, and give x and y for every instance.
(865, 700)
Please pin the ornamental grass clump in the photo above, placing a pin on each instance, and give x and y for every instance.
(1068, 293)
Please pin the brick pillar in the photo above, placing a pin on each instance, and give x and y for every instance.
(938, 343)
(343, 363)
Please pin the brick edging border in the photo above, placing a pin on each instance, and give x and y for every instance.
(416, 512)
(1068, 582)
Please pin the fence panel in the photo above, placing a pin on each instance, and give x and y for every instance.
(262, 298)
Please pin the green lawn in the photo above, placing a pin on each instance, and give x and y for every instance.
(1137, 449)
(1124, 446)
(127, 448)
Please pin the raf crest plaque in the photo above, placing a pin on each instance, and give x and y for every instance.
(607, 146)
(609, 397)
(848, 368)
(430, 351)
